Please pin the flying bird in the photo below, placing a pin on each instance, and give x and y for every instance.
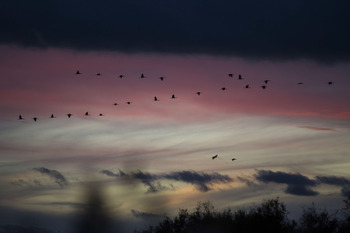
(142, 76)
(128, 102)
(99, 74)
(230, 75)
(198, 93)
(155, 98)
(77, 72)
(115, 104)
(100, 114)
(300, 83)
(266, 81)
(173, 96)
(240, 77)
(330, 83)
(214, 157)
(52, 116)
(223, 88)
(162, 78)
(20, 117)
(69, 115)
(121, 76)
(233, 159)
(35, 118)
(247, 86)
(87, 114)
(263, 87)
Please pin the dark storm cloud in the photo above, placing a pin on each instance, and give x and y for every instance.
(254, 29)
(337, 181)
(200, 180)
(55, 175)
(297, 184)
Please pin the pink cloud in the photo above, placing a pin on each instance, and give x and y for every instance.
(317, 128)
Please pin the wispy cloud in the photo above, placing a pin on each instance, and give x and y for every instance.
(317, 128)
(202, 181)
(55, 175)
(297, 184)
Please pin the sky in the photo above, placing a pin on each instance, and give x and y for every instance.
(141, 161)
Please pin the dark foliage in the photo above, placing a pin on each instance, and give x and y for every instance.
(270, 216)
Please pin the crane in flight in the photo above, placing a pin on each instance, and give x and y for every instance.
(155, 98)
(20, 117)
(77, 72)
(35, 118)
(214, 157)
(52, 116)
(198, 93)
(69, 115)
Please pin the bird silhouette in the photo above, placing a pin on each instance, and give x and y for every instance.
(20, 117)
(52, 116)
(266, 81)
(223, 88)
(100, 114)
(247, 86)
(214, 157)
(142, 76)
(128, 102)
(69, 115)
(330, 83)
(87, 114)
(77, 72)
(162, 78)
(263, 87)
(99, 74)
(240, 77)
(35, 118)
(173, 96)
(198, 93)
(115, 104)
(155, 98)
(230, 75)
(121, 76)
(300, 83)
(233, 159)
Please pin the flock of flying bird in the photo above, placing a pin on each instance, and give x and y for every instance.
(142, 76)
(69, 115)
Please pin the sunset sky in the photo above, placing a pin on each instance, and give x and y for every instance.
(149, 158)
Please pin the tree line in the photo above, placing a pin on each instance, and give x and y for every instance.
(270, 216)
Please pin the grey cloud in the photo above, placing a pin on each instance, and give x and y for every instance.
(112, 174)
(253, 29)
(144, 215)
(23, 183)
(338, 181)
(297, 184)
(55, 175)
(200, 180)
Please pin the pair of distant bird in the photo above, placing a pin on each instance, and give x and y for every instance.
(215, 156)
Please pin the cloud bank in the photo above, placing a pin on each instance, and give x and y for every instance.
(253, 29)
